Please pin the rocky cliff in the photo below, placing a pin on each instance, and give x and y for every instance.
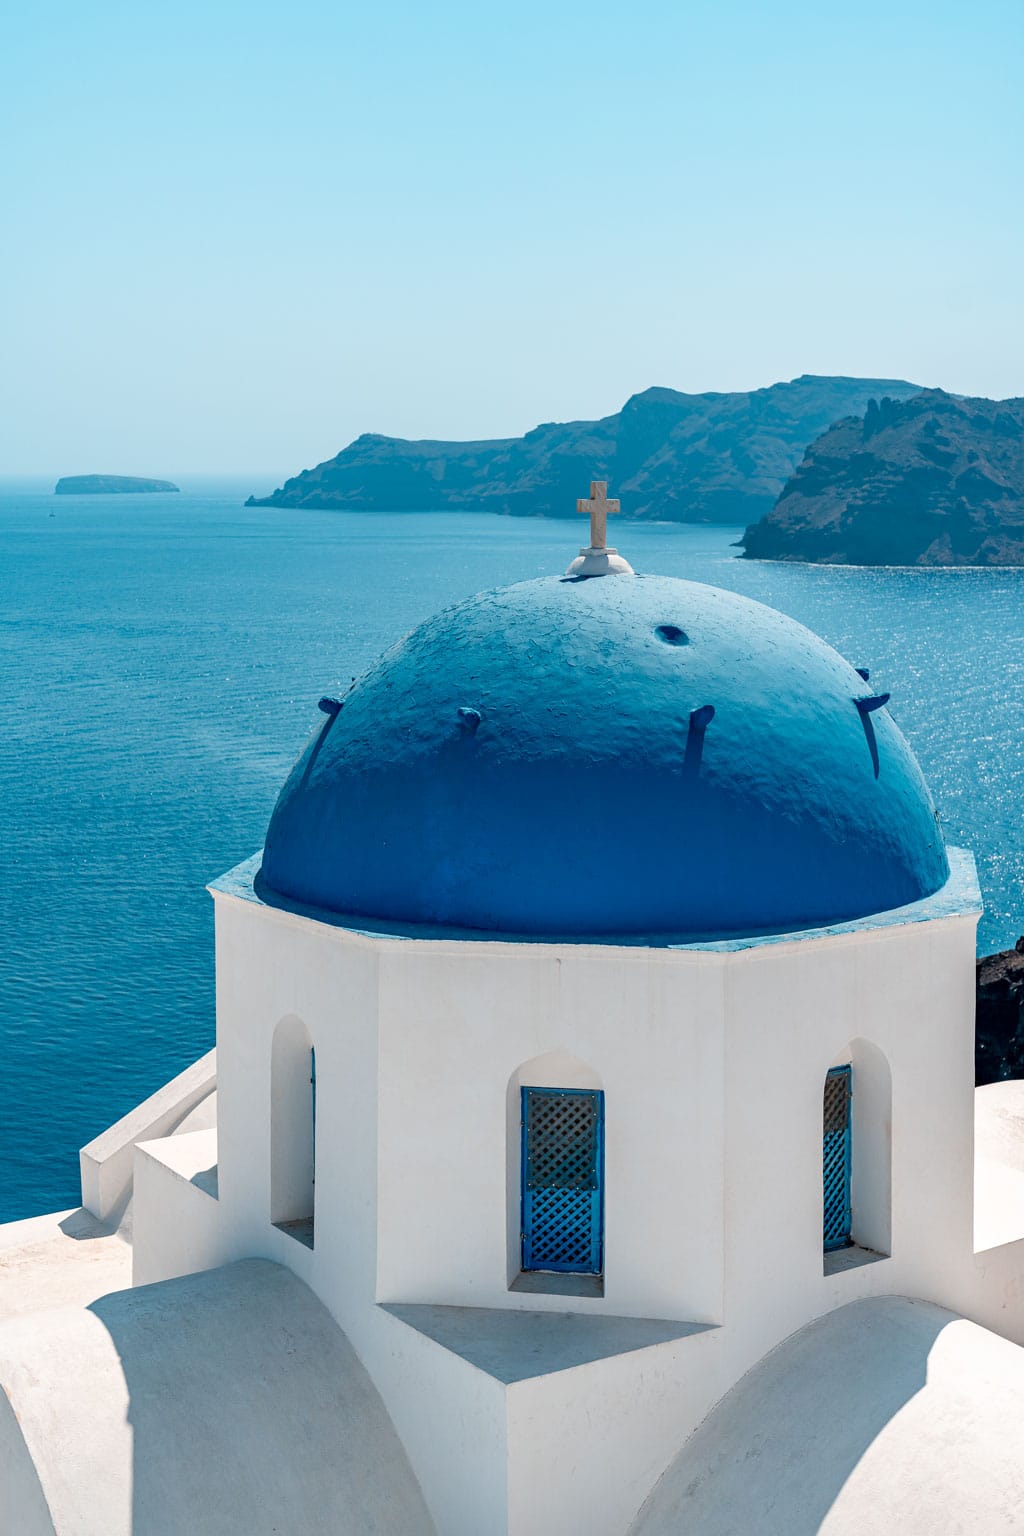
(999, 1018)
(933, 480)
(686, 458)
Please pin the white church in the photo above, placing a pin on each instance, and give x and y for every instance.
(591, 1142)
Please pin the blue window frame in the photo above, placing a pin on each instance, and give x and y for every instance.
(563, 1180)
(312, 1103)
(837, 1159)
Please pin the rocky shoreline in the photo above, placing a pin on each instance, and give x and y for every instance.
(934, 480)
(694, 458)
(999, 1017)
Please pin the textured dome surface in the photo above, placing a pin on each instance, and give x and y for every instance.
(541, 760)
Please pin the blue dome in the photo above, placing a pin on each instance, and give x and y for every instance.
(627, 755)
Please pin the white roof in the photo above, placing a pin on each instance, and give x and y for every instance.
(225, 1402)
(886, 1416)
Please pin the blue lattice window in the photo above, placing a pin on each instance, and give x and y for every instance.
(563, 1180)
(836, 1159)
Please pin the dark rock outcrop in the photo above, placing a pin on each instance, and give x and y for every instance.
(933, 480)
(710, 458)
(999, 1017)
(107, 485)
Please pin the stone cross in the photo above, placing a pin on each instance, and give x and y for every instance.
(599, 507)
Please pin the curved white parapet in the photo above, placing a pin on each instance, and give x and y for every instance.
(887, 1415)
(998, 1164)
(227, 1402)
(187, 1102)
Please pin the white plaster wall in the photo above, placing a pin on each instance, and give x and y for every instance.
(178, 1227)
(871, 1117)
(995, 1295)
(54, 1401)
(713, 1065)
(793, 1010)
(272, 965)
(998, 1164)
(23, 1509)
(586, 1446)
(106, 1162)
(457, 1023)
(224, 1404)
(291, 1121)
(452, 1420)
(924, 1438)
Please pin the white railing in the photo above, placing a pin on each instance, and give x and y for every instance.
(106, 1162)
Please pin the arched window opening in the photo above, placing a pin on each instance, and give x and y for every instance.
(837, 1159)
(857, 1159)
(562, 1180)
(546, 1175)
(293, 1131)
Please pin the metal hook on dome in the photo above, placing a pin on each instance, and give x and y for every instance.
(332, 709)
(866, 708)
(700, 719)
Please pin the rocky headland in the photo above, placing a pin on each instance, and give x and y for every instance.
(999, 1017)
(708, 458)
(936, 479)
(107, 485)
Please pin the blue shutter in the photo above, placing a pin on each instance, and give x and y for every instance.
(836, 1159)
(312, 1103)
(563, 1180)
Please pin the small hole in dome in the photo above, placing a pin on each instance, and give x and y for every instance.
(672, 634)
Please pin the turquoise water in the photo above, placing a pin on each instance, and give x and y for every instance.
(161, 661)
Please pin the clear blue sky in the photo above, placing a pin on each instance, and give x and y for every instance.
(237, 235)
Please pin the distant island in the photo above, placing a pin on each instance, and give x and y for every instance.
(107, 485)
(708, 458)
(933, 480)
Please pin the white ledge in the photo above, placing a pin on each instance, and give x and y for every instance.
(106, 1162)
(514, 1345)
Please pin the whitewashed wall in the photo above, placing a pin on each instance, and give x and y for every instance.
(713, 1064)
(460, 1028)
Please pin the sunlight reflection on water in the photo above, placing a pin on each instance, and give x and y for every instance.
(162, 660)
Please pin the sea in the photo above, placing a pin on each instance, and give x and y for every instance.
(161, 660)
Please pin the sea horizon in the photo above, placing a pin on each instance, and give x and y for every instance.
(166, 654)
